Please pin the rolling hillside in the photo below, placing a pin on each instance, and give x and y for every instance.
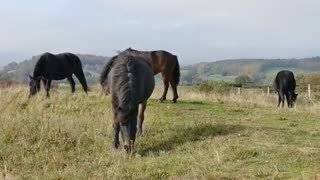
(261, 71)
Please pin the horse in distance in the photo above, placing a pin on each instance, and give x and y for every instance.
(165, 63)
(130, 82)
(56, 67)
(285, 85)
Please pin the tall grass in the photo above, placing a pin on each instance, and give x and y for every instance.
(203, 136)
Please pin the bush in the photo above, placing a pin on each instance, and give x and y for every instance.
(214, 87)
(243, 81)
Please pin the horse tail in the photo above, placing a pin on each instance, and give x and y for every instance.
(105, 72)
(82, 79)
(78, 71)
(176, 72)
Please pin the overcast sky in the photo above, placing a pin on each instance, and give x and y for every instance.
(195, 30)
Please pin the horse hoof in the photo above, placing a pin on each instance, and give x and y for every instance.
(162, 99)
(127, 149)
(115, 145)
(174, 101)
(139, 133)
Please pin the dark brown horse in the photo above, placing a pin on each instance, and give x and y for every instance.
(130, 82)
(165, 63)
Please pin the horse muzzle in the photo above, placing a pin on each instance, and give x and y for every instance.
(128, 145)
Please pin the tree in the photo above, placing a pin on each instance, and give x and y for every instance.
(258, 78)
(11, 66)
(242, 80)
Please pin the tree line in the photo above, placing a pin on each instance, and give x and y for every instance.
(241, 72)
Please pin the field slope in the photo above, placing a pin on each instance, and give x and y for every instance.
(203, 136)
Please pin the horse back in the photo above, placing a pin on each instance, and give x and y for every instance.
(145, 73)
(163, 61)
(285, 82)
(142, 75)
(160, 60)
(57, 67)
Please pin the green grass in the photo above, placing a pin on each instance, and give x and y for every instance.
(203, 136)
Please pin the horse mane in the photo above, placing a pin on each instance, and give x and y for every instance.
(126, 85)
(106, 70)
(38, 66)
(130, 50)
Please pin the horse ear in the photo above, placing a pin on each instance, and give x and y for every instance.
(31, 78)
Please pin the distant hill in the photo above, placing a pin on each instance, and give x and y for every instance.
(261, 71)
(92, 66)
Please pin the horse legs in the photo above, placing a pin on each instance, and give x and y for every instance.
(72, 84)
(82, 80)
(44, 81)
(166, 87)
(116, 128)
(281, 99)
(38, 85)
(48, 85)
(289, 98)
(174, 91)
(142, 108)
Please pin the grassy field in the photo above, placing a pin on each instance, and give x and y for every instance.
(203, 136)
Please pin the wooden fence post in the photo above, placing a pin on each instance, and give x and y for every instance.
(309, 91)
(239, 90)
(268, 91)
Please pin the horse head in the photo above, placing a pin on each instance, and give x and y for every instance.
(293, 98)
(128, 127)
(34, 85)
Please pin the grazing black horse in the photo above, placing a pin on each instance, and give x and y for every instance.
(164, 62)
(285, 85)
(56, 67)
(130, 82)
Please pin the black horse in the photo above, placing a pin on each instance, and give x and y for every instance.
(56, 67)
(130, 82)
(285, 85)
(162, 62)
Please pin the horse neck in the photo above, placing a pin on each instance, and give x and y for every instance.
(37, 71)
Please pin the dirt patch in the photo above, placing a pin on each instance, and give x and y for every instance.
(7, 83)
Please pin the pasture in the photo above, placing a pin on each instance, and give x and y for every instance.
(203, 136)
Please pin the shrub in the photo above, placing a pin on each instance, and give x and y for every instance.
(214, 86)
(242, 81)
